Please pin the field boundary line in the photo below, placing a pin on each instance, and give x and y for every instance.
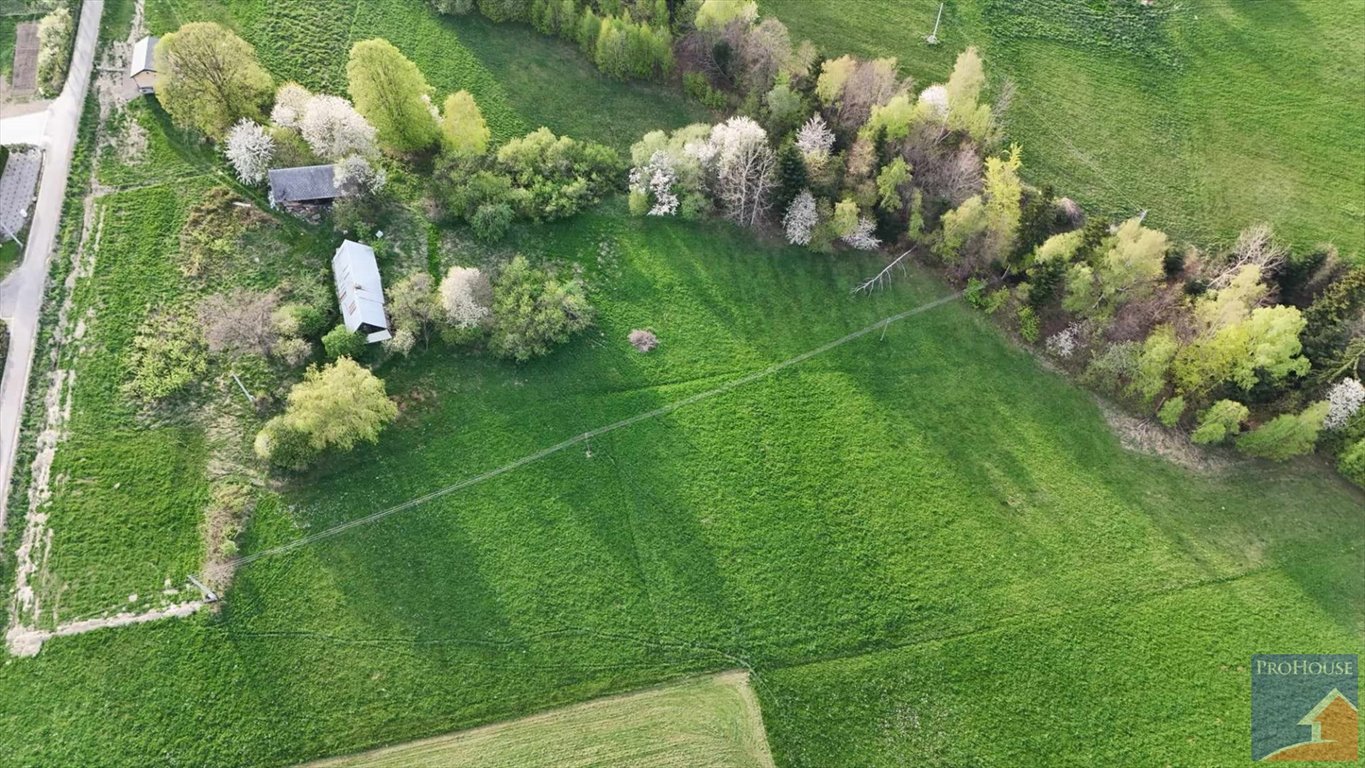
(531, 458)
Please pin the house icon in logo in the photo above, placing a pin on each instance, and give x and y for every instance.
(1336, 734)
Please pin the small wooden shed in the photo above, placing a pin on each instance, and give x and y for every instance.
(142, 69)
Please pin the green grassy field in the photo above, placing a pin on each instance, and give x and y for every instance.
(895, 493)
(1212, 114)
(927, 548)
(710, 722)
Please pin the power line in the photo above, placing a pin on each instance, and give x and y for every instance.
(748, 378)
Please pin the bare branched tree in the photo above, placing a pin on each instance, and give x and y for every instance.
(744, 168)
(239, 322)
(1256, 247)
(880, 279)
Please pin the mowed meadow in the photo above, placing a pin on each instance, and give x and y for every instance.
(1210, 114)
(923, 546)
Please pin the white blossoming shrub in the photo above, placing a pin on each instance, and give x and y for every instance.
(935, 98)
(401, 343)
(249, 150)
(1344, 401)
(466, 297)
(356, 175)
(290, 101)
(815, 139)
(334, 129)
(655, 181)
(1065, 342)
(862, 236)
(801, 218)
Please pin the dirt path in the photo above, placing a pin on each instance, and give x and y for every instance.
(26, 641)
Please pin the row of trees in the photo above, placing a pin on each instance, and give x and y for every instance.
(522, 312)
(844, 153)
(624, 38)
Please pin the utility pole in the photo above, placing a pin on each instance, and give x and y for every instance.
(932, 39)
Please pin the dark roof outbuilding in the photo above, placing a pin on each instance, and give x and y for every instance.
(303, 184)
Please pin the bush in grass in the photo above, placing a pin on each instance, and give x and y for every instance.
(1112, 370)
(340, 342)
(299, 319)
(491, 222)
(167, 355)
(1028, 323)
(334, 407)
(1287, 435)
(699, 88)
(293, 351)
(533, 310)
(1171, 411)
(412, 305)
(559, 175)
(209, 78)
(1221, 421)
(389, 90)
(1352, 462)
(643, 340)
(55, 33)
(401, 342)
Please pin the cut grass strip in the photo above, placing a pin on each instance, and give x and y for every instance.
(710, 721)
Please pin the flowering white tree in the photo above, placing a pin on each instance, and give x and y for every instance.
(356, 175)
(290, 101)
(862, 236)
(466, 297)
(655, 180)
(402, 342)
(1344, 401)
(815, 140)
(801, 218)
(935, 99)
(249, 149)
(333, 129)
(1064, 343)
(744, 166)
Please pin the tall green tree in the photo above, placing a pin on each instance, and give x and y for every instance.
(208, 78)
(463, 126)
(533, 310)
(390, 91)
(334, 407)
(1286, 436)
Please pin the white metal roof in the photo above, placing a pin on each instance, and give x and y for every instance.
(142, 56)
(359, 290)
